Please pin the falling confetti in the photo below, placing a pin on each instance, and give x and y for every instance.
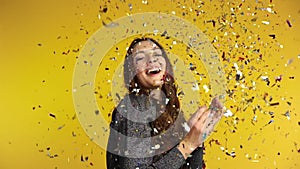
(52, 115)
(289, 23)
(287, 114)
(274, 104)
(228, 113)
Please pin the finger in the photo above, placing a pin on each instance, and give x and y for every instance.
(210, 126)
(213, 124)
(217, 114)
(215, 103)
(204, 117)
(216, 117)
(200, 111)
(212, 121)
(194, 118)
(207, 130)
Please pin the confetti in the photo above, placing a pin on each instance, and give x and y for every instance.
(278, 78)
(105, 9)
(254, 19)
(271, 121)
(232, 154)
(130, 6)
(74, 134)
(157, 146)
(273, 36)
(66, 52)
(289, 62)
(228, 113)
(110, 25)
(265, 22)
(239, 75)
(287, 114)
(266, 79)
(206, 88)
(289, 23)
(213, 22)
(60, 127)
(274, 104)
(145, 2)
(52, 115)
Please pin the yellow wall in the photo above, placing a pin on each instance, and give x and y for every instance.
(39, 43)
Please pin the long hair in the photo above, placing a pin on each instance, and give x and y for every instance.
(168, 117)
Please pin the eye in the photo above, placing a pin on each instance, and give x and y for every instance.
(139, 58)
(157, 52)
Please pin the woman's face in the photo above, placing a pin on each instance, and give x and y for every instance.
(149, 63)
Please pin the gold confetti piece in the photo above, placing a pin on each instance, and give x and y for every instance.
(145, 2)
(206, 88)
(265, 22)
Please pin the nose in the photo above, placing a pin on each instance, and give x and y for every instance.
(151, 58)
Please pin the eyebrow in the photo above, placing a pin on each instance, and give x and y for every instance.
(143, 51)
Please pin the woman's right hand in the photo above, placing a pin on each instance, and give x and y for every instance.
(202, 124)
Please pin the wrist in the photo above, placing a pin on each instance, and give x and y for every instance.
(186, 148)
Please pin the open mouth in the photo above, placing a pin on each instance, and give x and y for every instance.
(153, 71)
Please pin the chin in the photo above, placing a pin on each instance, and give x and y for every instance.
(157, 84)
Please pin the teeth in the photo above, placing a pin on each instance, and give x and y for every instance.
(153, 70)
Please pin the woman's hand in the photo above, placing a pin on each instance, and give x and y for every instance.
(195, 117)
(202, 124)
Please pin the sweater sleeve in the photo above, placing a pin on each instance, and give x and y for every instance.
(113, 151)
(195, 161)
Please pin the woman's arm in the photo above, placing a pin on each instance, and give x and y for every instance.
(195, 160)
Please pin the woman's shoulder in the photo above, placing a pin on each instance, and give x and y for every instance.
(124, 102)
(122, 107)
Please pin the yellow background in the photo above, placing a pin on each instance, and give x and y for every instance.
(39, 43)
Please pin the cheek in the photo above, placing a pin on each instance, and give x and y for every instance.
(163, 64)
(139, 67)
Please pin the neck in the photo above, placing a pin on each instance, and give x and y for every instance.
(156, 94)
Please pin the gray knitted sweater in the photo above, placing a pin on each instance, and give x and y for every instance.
(132, 145)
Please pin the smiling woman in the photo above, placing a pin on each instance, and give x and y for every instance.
(148, 130)
(149, 63)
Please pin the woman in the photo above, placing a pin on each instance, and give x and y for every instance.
(148, 129)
